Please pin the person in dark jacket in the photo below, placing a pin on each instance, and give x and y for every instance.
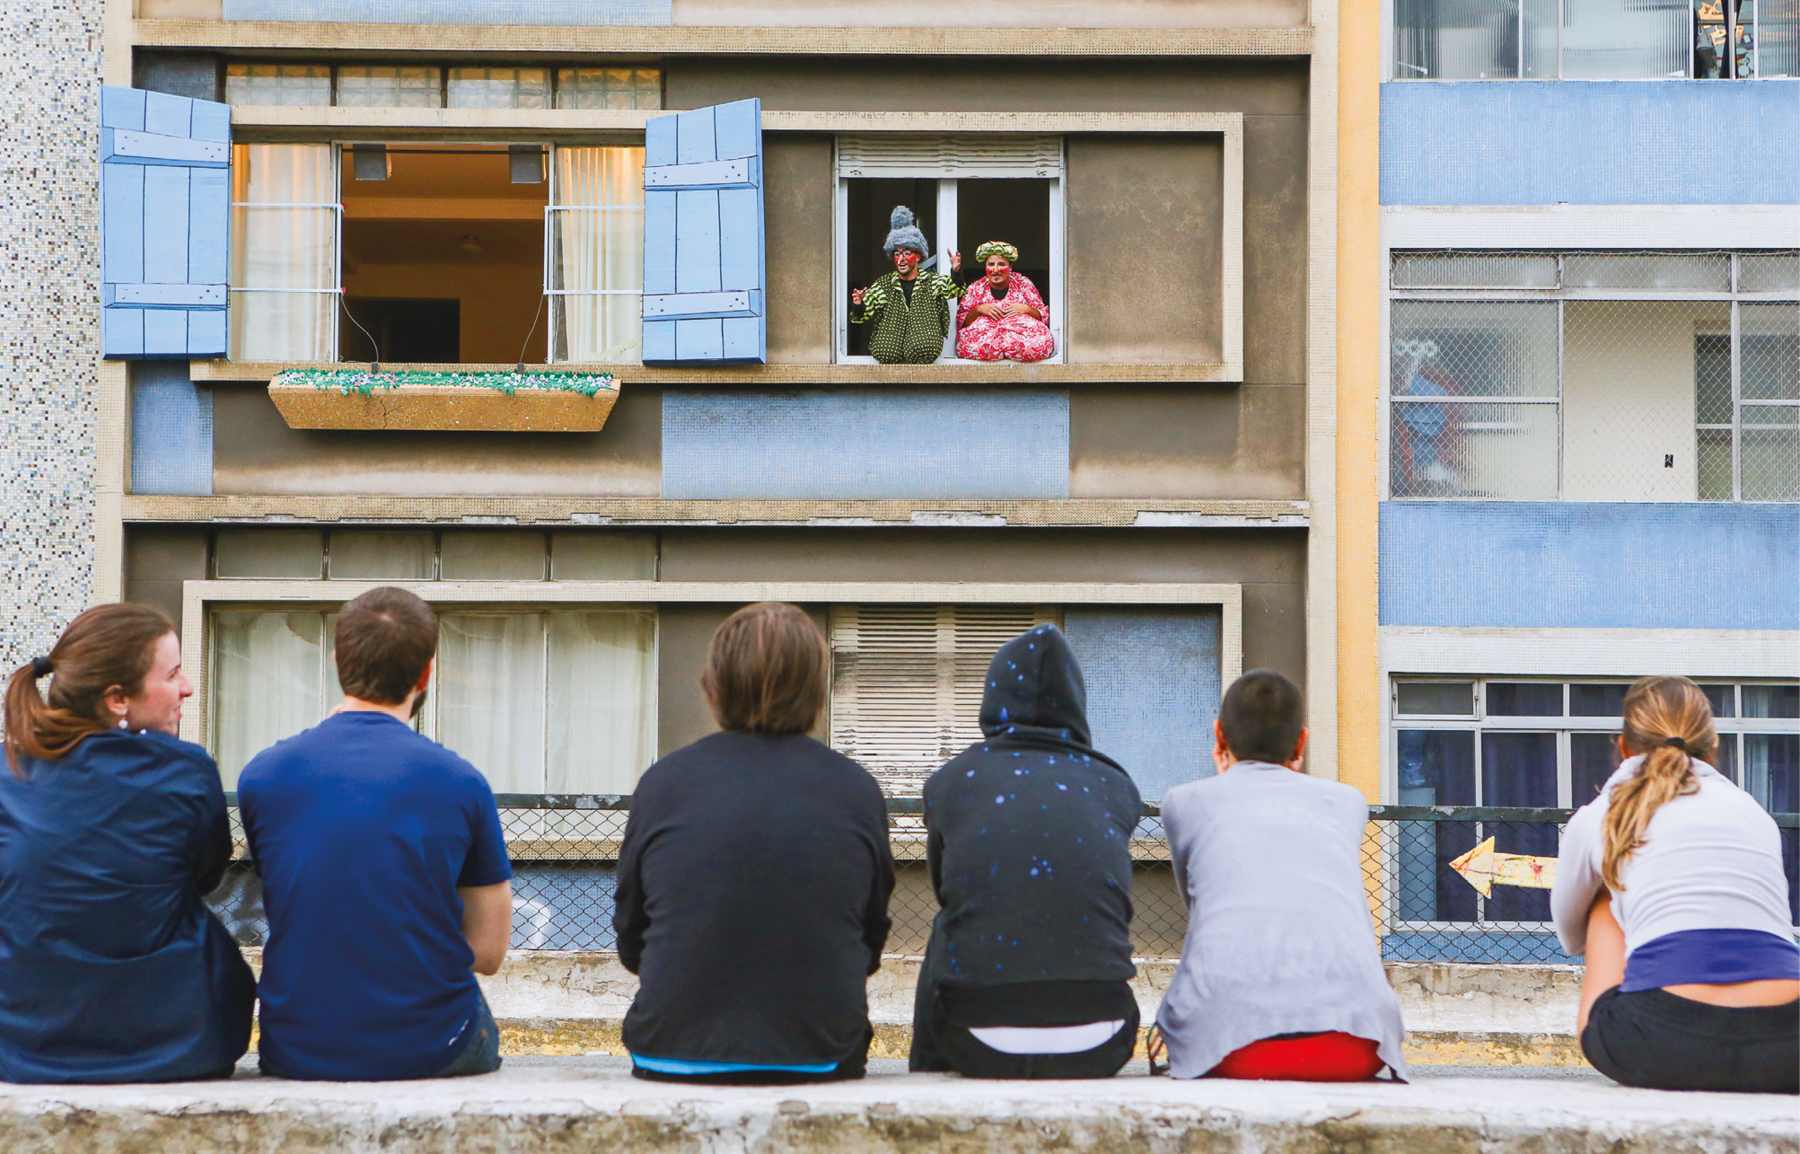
(1028, 972)
(753, 881)
(112, 829)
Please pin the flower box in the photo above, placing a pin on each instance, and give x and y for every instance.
(546, 402)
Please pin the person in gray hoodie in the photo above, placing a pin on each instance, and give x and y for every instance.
(1280, 976)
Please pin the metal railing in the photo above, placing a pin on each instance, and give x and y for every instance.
(565, 847)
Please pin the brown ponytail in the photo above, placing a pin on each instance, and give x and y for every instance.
(1667, 720)
(110, 647)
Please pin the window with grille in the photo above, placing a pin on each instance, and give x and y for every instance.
(1595, 376)
(556, 700)
(906, 682)
(434, 86)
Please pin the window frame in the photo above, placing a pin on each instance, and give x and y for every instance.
(1559, 294)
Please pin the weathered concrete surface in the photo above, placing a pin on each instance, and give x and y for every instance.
(565, 1110)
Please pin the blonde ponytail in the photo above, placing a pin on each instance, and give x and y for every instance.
(1667, 720)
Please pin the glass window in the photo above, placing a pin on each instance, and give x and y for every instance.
(602, 556)
(596, 261)
(1722, 698)
(268, 553)
(1597, 700)
(278, 84)
(383, 554)
(285, 220)
(1436, 698)
(1769, 272)
(1475, 270)
(1709, 271)
(1592, 759)
(499, 88)
(1625, 39)
(1772, 701)
(492, 555)
(389, 86)
(1456, 39)
(1524, 699)
(1437, 767)
(269, 681)
(608, 88)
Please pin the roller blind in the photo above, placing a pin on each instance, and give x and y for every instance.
(900, 154)
(907, 682)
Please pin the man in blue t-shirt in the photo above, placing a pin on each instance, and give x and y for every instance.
(384, 873)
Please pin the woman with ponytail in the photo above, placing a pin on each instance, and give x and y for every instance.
(1671, 882)
(112, 829)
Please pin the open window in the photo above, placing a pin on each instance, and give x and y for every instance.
(963, 189)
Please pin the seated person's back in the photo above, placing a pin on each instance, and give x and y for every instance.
(111, 831)
(364, 833)
(1028, 973)
(754, 878)
(1280, 974)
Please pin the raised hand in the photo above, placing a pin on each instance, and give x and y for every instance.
(856, 296)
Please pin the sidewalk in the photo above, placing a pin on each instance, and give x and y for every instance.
(547, 1107)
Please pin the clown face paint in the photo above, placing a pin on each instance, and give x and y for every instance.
(906, 262)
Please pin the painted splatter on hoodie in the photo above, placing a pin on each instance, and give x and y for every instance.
(1029, 835)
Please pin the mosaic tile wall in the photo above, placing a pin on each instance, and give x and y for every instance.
(49, 318)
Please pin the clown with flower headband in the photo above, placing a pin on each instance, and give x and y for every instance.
(1002, 317)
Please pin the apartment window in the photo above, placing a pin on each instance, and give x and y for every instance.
(907, 680)
(594, 255)
(540, 700)
(432, 555)
(963, 189)
(441, 86)
(284, 269)
(1595, 376)
(1595, 39)
(1552, 744)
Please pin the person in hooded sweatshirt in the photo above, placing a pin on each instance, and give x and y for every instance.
(1028, 971)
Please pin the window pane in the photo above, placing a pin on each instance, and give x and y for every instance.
(1437, 698)
(499, 88)
(1456, 39)
(602, 556)
(608, 88)
(1592, 759)
(490, 685)
(1697, 271)
(1769, 342)
(1543, 36)
(1505, 452)
(1769, 272)
(597, 246)
(1769, 769)
(388, 86)
(278, 84)
(1778, 44)
(1722, 699)
(602, 700)
(1630, 386)
(1524, 699)
(1519, 769)
(1587, 700)
(269, 553)
(383, 555)
(278, 247)
(492, 556)
(266, 682)
(1772, 701)
(1728, 757)
(1437, 767)
(1474, 349)
(1474, 270)
(1625, 39)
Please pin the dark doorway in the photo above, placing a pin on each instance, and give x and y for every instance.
(404, 330)
(871, 203)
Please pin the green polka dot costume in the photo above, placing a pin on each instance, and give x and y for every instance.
(908, 333)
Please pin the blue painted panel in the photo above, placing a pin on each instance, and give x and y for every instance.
(603, 13)
(165, 333)
(212, 121)
(166, 225)
(206, 333)
(1590, 142)
(865, 443)
(171, 428)
(696, 242)
(122, 223)
(168, 115)
(122, 333)
(1574, 565)
(209, 224)
(1153, 688)
(704, 233)
(122, 107)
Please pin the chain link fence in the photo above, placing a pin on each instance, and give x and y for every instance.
(565, 850)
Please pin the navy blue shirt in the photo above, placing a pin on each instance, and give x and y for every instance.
(363, 830)
(111, 967)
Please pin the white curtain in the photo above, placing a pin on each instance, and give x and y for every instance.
(599, 250)
(283, 248)
(490, 687)
(602, 700)
(267, 682)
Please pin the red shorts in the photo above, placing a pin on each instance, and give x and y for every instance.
(1329, 1057)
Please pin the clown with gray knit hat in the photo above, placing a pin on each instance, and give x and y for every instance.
(910, 309)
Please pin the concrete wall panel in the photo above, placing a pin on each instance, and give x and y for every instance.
(158, 558)
(1187, 441)
(960, 14)
(797, 209)
(1145, 229)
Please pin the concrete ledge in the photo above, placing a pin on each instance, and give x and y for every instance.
(551, 1110)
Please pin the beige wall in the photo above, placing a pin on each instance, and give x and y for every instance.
(962, 14)
(1184, 440)
(797, 212)
(1628, 397)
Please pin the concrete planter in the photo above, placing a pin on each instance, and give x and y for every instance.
(444, 402)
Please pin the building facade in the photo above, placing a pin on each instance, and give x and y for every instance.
(1570, 453)
(268, 215)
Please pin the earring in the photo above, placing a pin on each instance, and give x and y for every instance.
(123, 724)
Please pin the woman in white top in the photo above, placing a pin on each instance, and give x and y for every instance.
(1671, 882)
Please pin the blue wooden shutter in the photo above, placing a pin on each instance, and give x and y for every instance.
(703, 237)
(165, 219)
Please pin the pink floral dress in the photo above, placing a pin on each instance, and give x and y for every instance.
(1007, 338)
